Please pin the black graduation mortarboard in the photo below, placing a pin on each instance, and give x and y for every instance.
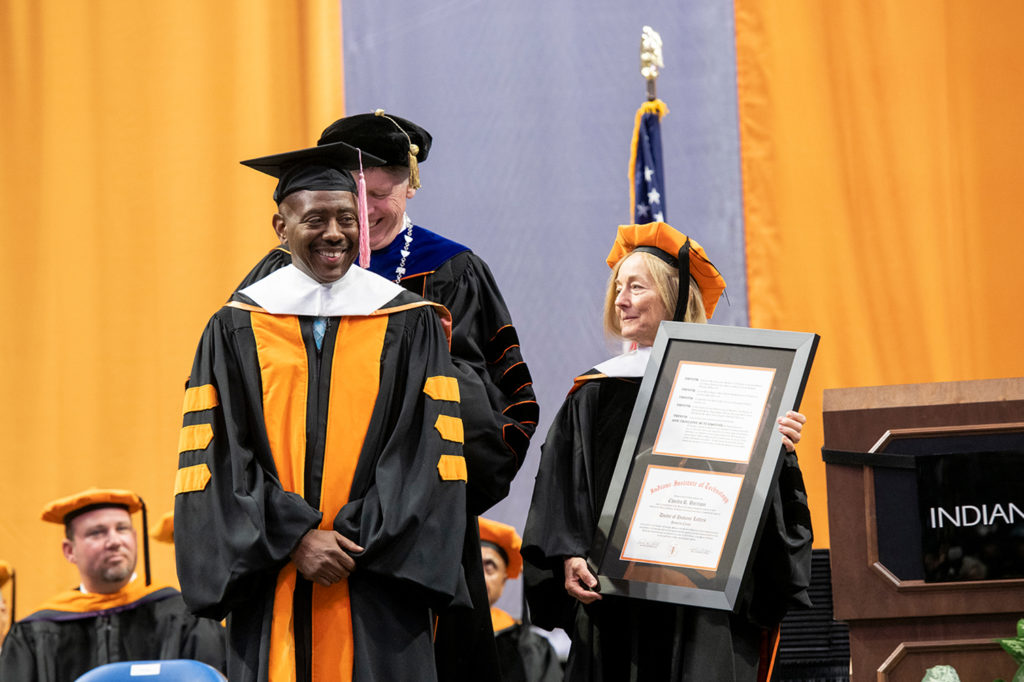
(397, 140)
(324, 167)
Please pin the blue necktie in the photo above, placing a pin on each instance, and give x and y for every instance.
(319, 329)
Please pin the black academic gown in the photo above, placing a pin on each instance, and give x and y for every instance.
(524, 655)
(75, 632)
(361, 436)
(499, 408)
(499, 412)
(618, 639)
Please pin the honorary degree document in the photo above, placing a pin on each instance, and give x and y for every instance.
(698, 465)
(682, 517)
(714, 411)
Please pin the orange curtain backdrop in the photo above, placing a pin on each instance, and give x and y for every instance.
(881, 146)
(129, 222)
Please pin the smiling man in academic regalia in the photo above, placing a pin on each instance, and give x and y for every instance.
(112, 615)
(321, 490)
(499, 409)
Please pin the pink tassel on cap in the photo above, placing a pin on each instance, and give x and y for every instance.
(364, 219)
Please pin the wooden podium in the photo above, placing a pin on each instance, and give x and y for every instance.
(900, 627)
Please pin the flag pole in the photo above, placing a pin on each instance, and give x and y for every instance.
(646, 176)
(650, 60)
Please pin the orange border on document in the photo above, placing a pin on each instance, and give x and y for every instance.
(632, 520)
(672, 393)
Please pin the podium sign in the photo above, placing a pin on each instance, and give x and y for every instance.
(972, 515)
(876, 438)
(693, 479)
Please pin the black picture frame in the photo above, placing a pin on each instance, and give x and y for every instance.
(714, 581)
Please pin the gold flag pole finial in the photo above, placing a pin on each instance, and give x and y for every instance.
(650, 60)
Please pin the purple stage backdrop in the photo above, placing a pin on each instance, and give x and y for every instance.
(531, 107)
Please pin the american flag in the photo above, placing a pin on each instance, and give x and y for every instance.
(646, 170)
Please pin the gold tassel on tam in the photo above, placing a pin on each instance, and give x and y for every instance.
(414, 168)
(414, 150)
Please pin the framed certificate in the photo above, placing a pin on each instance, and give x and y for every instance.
(694, 477)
